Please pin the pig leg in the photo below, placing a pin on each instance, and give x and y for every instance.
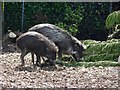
(38, 61)
(43, 59)
(24, 52)
(46, 61)
(32, 54)
(60, 55)
(75, 57)
(52, 62)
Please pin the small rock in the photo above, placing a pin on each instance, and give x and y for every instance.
(84, 70)
(94, 80)
(100, 67)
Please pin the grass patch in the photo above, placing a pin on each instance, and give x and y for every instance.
(105, 50)
(102, 56)
(98, 53)
(90, 64)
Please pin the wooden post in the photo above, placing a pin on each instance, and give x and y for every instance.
(0, 26)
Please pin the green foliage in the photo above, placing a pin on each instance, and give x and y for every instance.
(102, 51)
(92, 25)
(2, 6)
(113, 19)
(88, 19)
(61, 14)
(12, 16)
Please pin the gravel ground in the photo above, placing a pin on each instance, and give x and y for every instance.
(13, 76)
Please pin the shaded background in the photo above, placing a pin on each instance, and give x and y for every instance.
(82, 19)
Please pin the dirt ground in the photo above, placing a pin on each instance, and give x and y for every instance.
(14, 76)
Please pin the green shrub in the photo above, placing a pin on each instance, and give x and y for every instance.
(102, 51)
(81, 19)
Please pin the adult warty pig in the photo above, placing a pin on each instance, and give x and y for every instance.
(37, 44)
(66, 43)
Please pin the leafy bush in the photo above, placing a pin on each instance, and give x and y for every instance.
(65, 15)
(113, 19)
(102, 51)
(81, 19)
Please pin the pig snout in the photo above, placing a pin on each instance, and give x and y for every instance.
(78, 52)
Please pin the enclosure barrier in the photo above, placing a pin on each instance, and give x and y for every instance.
(0, 26)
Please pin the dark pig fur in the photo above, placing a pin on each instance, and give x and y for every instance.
(37, 44)
(66, 43)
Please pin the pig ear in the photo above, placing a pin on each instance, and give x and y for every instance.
(12, 35)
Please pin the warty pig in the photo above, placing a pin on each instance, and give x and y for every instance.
(37, 44)
(66, 43)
